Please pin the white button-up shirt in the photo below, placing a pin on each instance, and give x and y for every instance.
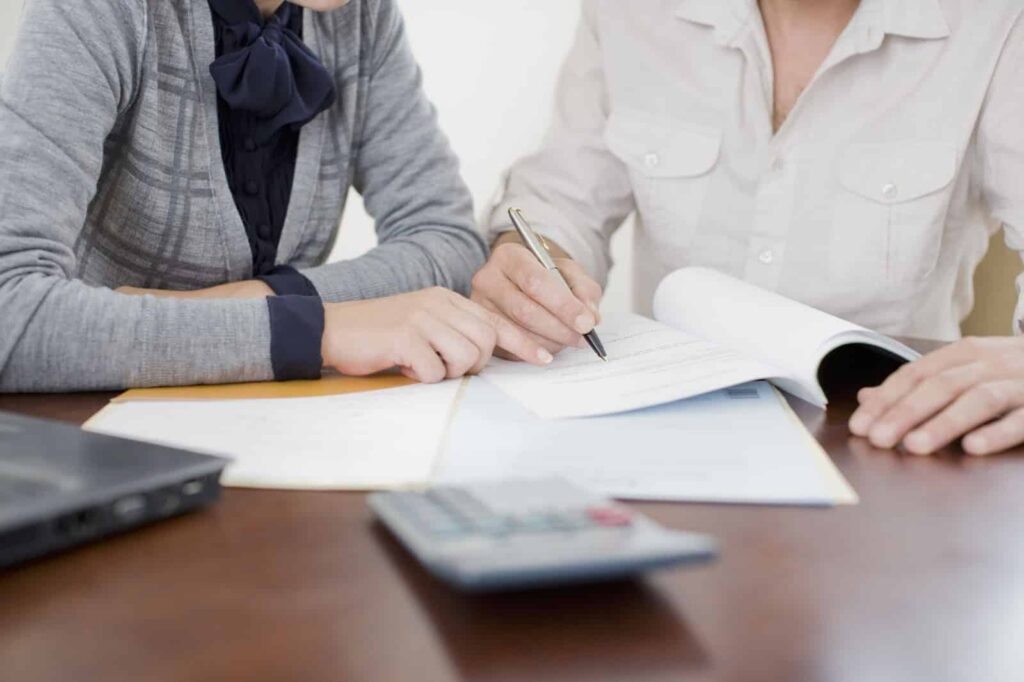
(876, 199)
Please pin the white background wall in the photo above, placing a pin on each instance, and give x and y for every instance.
(9, 10)
(473, 53)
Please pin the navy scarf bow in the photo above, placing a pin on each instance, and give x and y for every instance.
(266, 69)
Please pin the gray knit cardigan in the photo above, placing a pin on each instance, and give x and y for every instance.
(111, 175)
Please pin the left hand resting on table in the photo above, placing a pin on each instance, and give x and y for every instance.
(972, 389)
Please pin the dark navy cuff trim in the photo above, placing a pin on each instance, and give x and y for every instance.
(287, 281)
(296, 334)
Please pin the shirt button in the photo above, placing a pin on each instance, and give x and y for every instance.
(766, 257)
(250, 144)
(252, 187)
(890, 191)
(652, 160)
(264, 230)
(778, 164)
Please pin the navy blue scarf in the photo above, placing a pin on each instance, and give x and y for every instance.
(266, 69)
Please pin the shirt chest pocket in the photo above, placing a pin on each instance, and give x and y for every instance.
(670, 166)
(890, 213)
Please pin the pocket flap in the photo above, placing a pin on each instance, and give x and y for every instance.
(660, 149)
(891, 173)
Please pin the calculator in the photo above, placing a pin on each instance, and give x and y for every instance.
(515, 534)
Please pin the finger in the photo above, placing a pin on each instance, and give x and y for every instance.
(547, 344)
(473, 322)
(530, 315)
(508, 336)
(520, 343)
(458, 353)
(420, 361)
(923, 402)
(549, 291)
(998, 436)
(977, 406)
(582, 285)
(876, 401)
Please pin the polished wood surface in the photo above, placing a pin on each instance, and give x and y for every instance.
(924, 580)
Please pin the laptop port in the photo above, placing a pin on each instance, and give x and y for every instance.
(81, 524)
(167, 501)
(193, 487)
(130, 509)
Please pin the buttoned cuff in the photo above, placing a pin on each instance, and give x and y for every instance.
(296, 334)
(285, 280)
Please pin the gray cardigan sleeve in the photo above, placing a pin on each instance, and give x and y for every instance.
(59, 100)
(410, 182)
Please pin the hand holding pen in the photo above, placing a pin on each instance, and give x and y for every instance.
(540, 289)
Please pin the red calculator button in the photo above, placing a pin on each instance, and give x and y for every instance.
(609, 517)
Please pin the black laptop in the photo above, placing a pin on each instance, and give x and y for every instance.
(61, 486)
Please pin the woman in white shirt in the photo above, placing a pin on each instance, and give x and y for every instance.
(855, 155)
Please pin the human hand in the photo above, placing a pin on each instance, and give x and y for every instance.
(248, 289)
(972, 389)
(514, 285)
(429, 335)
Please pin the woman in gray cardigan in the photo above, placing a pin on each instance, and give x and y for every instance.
(172, 177)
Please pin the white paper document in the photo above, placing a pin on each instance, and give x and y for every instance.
(649, 363)
(738, 445)
(381, 439)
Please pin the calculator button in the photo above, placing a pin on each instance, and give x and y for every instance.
(442, 525)
(610, 517)
(459, 502)
(532, 523)
(495, 526)
(572, 521)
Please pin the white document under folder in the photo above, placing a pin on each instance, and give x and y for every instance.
(357, 441)
(738, 445)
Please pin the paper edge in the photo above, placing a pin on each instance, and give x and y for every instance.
(843, 491)
(92, 422)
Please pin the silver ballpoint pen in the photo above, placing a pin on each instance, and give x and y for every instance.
(535, 243)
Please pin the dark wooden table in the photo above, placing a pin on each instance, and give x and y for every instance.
(924, 580)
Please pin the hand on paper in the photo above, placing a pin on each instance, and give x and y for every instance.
(430, 335)
(973, 389)
(516, 286)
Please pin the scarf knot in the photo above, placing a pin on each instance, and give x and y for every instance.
(266, 69)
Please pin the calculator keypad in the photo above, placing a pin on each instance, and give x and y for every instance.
(451, 513)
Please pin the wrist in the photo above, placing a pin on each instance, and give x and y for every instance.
(338, 320)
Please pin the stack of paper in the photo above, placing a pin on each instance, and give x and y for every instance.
(737, 445)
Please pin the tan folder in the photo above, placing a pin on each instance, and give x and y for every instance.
(330, 384)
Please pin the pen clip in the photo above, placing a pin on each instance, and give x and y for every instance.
(534, 242)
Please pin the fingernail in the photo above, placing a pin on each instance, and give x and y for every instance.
(920, 443)
(545, 357)
(860, 423)
(585, 324)
(976, 445)
(883, 436)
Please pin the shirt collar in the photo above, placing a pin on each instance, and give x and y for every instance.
(727, 17)
(915, 19)
(909, 18)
